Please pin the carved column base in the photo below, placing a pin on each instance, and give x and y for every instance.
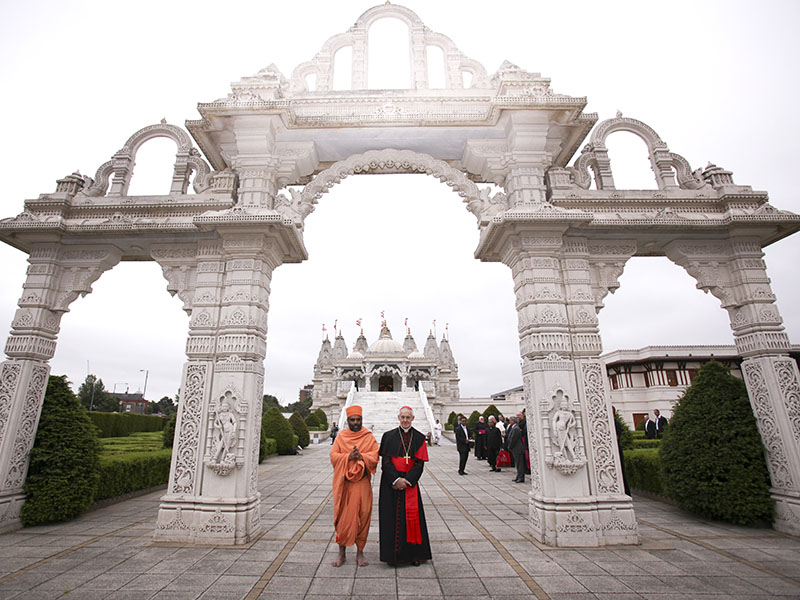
(583, 523)
(787, 512)
(10, 504)
(221, 522)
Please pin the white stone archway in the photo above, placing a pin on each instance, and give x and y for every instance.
(272, 147)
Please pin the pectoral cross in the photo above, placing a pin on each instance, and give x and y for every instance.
(406, 457)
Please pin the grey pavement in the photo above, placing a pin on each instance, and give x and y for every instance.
(477, 525)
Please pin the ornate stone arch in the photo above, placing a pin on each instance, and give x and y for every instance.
(665, 164)
(120, 167)
(393, 161)
(357, 37)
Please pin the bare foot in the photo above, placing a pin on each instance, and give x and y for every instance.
(362, 561)
(340, 560)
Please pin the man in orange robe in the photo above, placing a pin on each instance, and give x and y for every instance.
(354, 457)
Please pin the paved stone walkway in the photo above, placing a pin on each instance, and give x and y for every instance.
(108, 553)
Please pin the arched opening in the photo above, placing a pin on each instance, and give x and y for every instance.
(466, 78)
(434, 57)
(311, 82)
(657, 305)
(402, 244)
(343, 69)
(389, 55)
(153, 168)
(127, 330)
(630, 162)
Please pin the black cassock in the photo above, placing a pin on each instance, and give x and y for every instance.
(394, 515)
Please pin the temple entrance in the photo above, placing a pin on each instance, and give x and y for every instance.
(507, 145)
(385, 384)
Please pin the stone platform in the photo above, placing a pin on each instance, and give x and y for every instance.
(477, 525)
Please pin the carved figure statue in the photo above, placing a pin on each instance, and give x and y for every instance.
(224, 432)
(564, 425)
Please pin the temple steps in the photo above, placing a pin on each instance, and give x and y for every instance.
(380, 410)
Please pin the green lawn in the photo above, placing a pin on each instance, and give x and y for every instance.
(145, 441)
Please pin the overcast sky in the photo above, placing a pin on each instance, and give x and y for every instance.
(716, 80)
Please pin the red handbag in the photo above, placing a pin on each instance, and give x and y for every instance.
(503, 459)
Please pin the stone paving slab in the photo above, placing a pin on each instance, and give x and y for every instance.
(479, 539)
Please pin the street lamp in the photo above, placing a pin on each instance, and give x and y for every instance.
(146, 373)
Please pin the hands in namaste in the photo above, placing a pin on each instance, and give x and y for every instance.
(355, 454)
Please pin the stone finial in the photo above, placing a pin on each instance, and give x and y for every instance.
(71, 184)
(717, 176)
(163, 120)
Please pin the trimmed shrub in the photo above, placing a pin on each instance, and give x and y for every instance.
(269, 446)
(125, 473)
(312, 422)
(490, 410)
(322, 418)
(275, 426)
(300, 429)
(451, 418)
(64, 464)
(643, 470)
(169, 431)
(448, 427)
(472, 420)
(714, 471)
(122, 424)
(626, 438)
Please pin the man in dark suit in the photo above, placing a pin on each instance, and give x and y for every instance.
(514, 441)
(462, 443)
(650, 429)
(661, 423)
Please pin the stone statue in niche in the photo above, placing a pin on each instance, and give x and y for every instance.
(564, 425)
(221, 457)
(561, 428)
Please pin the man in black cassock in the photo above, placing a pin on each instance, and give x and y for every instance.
(403, 532)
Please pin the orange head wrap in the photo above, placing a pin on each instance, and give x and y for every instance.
(353, 410)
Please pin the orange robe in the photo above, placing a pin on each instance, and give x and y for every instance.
(352, 486)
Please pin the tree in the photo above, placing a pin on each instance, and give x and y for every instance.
(712, 458)
(299, 427)
(165, 406)
(301, 406)
(451, 419)
(268, 402)
(64, 461)
(94, 396)
(276, 426)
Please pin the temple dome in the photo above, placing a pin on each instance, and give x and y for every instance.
(386, 346)
(416, 355)
(355, 355)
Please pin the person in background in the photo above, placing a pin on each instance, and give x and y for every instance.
(494, 442)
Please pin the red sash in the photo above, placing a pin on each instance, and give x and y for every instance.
(413, 531)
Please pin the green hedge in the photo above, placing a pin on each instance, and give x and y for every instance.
(270, 447)
(144, 441)
(641, 444)
(122, 424)
(125, 473)
(643, 470)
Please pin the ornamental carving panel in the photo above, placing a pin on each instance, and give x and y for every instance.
(533, 443)
(189, 436)
(602, 439)
(9, 378)
(562, 433)
(786, 372)
(227, 417)
(758, 390)
(27, 427)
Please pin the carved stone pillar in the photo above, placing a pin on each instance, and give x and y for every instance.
(577, 496)
(57, 275)
(212, 495)
(735, 272)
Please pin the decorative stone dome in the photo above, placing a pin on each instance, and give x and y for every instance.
(355, 355)
(386, 346)
(416, 355)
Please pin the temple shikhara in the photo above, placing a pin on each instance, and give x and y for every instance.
(427, 378)
(525, 160)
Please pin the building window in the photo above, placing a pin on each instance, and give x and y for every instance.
(672, 377)
(614, 384)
